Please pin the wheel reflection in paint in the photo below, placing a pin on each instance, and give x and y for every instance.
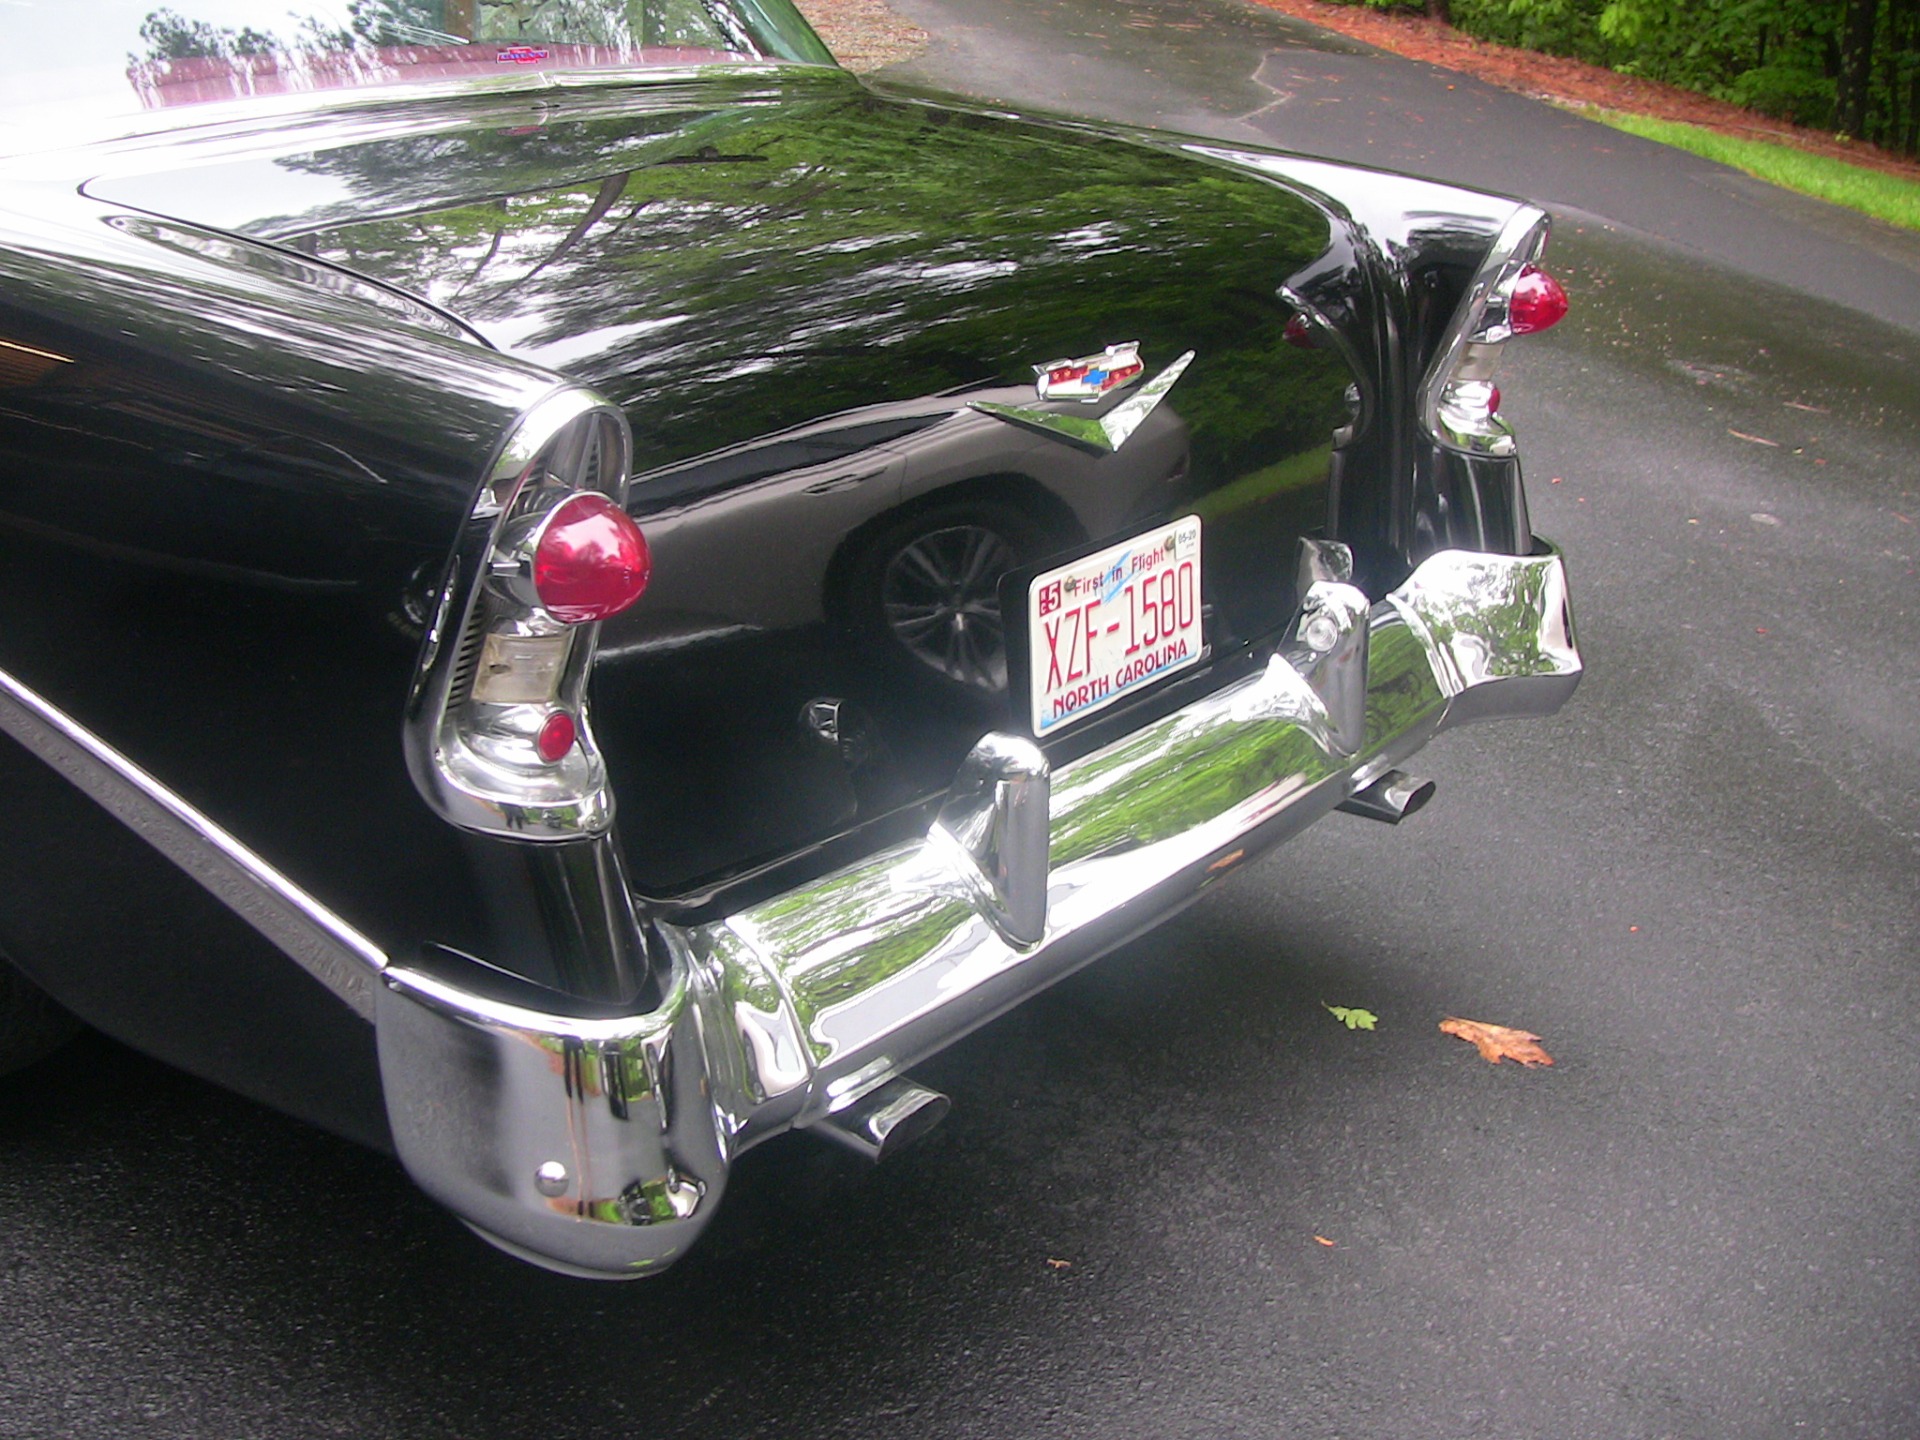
(940, 594)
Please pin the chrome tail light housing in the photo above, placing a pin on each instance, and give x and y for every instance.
(1510, 295)
(497, 734)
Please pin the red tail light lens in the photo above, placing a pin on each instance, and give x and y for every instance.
(1537, 302)
(591, 561)
(556, 737)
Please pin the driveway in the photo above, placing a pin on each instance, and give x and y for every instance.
(1241, 72)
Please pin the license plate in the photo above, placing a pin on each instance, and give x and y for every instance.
(1109, 624)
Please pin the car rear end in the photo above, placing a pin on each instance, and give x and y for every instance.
(673, 682)
(800, 991)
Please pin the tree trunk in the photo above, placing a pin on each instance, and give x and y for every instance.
(1886, 129)
(1857, 19)
(1440, 10)
(1903, 27)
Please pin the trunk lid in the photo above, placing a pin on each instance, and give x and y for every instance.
(799, 290)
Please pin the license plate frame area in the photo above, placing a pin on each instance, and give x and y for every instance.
(1112, 623)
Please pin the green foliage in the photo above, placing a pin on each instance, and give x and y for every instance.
(1885, 197)
(171, 36)
(1790, 88)
(1352, 1019)
(1787, 58)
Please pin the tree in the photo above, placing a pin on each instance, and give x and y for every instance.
(1855, 81)
(171, 36)
(1853, 65)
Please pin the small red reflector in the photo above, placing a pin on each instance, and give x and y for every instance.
(591, 562)
(1537, 302)
(556, 737)
(1493, 399)
(1299, 332)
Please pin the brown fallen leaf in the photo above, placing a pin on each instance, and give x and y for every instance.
(1059, 1264)
(1324, 1241)
(1496, 1042)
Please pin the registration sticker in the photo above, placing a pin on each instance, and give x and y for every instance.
(1107, 624)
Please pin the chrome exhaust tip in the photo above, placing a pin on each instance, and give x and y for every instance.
(1393, 797)
(885, 1121)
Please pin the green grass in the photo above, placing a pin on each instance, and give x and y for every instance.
(1292, 473)
(1872, 192)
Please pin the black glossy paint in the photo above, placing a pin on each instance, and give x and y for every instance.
(795, 289)
(95, 915)
(215, 488)
(231, 468)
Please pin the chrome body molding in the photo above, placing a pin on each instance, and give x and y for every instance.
(342, 959)
(599, 1146)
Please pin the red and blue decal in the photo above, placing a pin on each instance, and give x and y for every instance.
(1091, 376)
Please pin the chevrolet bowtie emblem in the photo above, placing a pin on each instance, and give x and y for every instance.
(1092, 376)
(1089, 381)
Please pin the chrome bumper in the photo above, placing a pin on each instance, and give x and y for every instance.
(600, 1147)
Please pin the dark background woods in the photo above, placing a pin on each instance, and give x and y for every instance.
(1852, 66)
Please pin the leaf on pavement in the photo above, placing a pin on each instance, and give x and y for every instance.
(1497, 1042)
(1352, 1019)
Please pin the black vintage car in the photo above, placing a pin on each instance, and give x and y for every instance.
(579, 587)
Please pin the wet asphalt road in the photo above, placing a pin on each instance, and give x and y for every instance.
(1697, 884)
(1241, 72)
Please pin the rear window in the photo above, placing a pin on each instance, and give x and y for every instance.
(98, 58)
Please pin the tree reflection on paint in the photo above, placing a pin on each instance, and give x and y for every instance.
(729, 269)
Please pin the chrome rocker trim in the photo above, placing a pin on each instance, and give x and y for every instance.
(342, 959)
(600, 1146)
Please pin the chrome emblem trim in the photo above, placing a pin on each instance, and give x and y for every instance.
(1091, 377)
(1105, 433)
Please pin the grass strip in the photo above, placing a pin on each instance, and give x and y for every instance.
(1871, 192)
